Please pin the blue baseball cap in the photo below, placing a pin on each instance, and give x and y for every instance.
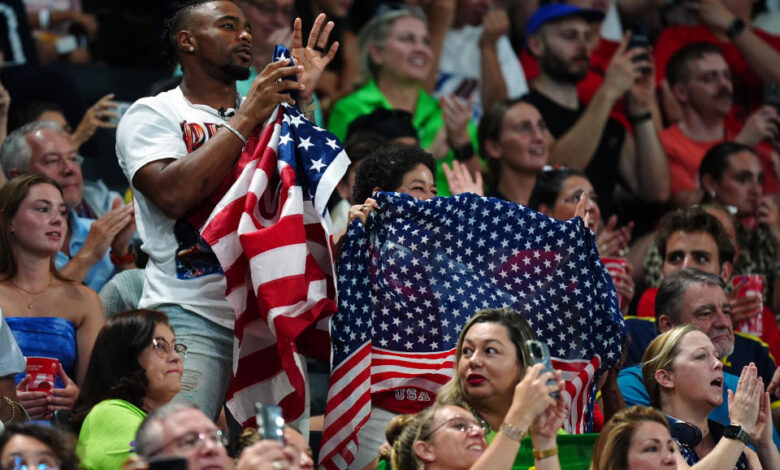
(555, 11)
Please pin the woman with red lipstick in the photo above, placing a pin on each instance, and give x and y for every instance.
(508, 399)
(49, 315)
(684, 378)
(135, 368)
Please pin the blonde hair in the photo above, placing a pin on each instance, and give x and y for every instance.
(375, 33)
(518, 330)
(611, 449)
(659, 355)
(413, 426)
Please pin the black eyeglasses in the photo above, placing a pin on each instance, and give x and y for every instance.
(163, 348)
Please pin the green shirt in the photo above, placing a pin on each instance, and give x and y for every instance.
(427, 119)
(107, 434)
(575, 451)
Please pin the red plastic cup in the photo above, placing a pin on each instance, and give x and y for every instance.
(750, 284)
(43, 374)
(617, 265)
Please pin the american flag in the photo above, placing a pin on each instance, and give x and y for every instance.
(411, 278)
(269, 232)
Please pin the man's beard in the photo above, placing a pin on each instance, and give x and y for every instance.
(559, 70)
(236, 72)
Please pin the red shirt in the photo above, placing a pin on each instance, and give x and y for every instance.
(748, 87)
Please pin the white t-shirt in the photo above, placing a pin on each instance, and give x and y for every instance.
(461, 59)
(182, 269)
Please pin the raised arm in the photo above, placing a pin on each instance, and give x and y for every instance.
(176, 186)
(576, 147)
(494, 88)
(762, 58)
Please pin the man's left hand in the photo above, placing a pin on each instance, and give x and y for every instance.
(314, 57)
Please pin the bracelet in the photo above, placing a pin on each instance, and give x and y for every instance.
(235, 132)
(13, 409)
(126, 258)
(636, 119)
(309, 108)
(543, 454)
(511, 431)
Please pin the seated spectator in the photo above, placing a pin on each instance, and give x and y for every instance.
(50, 315)
(705, 238)
(44, 148)
(448, 437)
(683, 374)
(396, 58)
(97, 198)
(731, 174)
(557, 193)
(558, 36)
(637, 437)
(514, 142)
(751, 54)
(692, 296)
(506, 395)
(135, 368)
(700, 80)
(477, 55)
(292, 436)
(366, 134)
(180, 429)
(29, 446)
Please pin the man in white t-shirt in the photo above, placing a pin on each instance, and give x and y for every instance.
(175, 149)
(477, 55)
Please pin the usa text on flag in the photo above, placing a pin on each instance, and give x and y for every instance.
(412, 277)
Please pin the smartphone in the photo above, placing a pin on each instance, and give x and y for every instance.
(121, 109)
(465, 88)
(282, 52)
(540, 354)
(640, 39)
(168, 463)
(270, 423)
(772, 94)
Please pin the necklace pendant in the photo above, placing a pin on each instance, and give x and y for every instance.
(29, 305)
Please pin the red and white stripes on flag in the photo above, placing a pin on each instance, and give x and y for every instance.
(273, 243)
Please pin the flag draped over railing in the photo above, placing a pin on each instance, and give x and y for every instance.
(411, 278)
(268, 231)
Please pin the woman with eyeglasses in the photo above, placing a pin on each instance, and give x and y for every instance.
(557, 193)
(506, 396)
(135, 367)
(50, 315)
(37, 447)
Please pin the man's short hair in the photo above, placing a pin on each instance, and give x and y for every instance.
(16, 152)
(671, 292)
(678, 69)
(716, 160)
(694, 219)
(175, 24)
(150, 434)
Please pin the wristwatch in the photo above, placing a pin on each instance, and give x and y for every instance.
(735, 431)
(736, 27)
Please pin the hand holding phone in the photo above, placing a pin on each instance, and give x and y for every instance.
(270, 423)
(540, 354)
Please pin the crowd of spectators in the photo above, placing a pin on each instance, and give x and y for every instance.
(656, 122)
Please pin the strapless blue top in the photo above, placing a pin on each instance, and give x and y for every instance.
(46, 337)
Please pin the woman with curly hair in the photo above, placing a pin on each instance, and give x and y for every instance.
(135, 367)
